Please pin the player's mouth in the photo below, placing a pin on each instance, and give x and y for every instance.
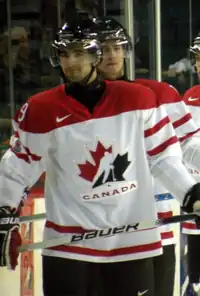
(111, 64)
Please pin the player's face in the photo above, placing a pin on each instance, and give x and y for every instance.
(112, 63)
(76, 63)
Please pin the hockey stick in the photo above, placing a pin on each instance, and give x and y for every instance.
(106, 232)
(33, 218)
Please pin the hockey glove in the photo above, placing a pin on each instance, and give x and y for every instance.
(191, 202)
(10, 238)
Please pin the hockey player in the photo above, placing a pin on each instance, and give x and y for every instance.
(116, 46)
(69, 129)
(192, 99)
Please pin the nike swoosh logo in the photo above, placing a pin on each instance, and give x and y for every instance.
(59, 119)
(190, 99)
(142, 293)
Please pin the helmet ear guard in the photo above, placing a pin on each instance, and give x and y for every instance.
(54, 57)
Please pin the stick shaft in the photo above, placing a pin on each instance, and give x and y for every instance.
(27, 219)
(106, 232)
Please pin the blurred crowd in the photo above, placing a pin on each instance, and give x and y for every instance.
(24, 63)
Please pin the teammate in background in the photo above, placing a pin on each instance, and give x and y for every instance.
(116, 45)
(68, 129)
(192, 99)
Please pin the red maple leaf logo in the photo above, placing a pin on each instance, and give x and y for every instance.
(88, 170)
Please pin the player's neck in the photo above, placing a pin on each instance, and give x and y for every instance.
(116, 76)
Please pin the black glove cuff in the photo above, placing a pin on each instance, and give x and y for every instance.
(191, 197)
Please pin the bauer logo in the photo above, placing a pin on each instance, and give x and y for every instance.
(106, 172)
(9, 220)
(105, 232)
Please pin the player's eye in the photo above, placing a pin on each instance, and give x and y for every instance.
(79, 53)
(117, 48)
(106, 49)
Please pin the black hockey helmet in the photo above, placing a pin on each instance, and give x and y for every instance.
(76, 33)
(109, 29)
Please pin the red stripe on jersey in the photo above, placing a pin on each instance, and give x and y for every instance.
(20, 155)
(108, 253)
(167, 235)
(73, 229)
(167, 214)
(34, 157)
(26, 156)
(182, 120)
(66, 229)
(188, 225)
(181, 139)
(156, 127)
(160, 148)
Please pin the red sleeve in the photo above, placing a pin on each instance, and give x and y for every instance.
(165, 93)
(35, 116)
(175, 107)
(131, 96)
(192, 96)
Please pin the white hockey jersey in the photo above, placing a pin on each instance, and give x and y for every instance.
(99, 167)
(192, 99)
(187, 132)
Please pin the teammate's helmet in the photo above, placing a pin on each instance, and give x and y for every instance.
(110, 29)
(76, 33)
(195, 48)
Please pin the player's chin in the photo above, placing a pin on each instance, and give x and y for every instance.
(112, 67)
(74, 77)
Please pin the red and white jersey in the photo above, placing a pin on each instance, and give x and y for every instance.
(192, 99)
(187, 133)
(164, 206)
(99, 167)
